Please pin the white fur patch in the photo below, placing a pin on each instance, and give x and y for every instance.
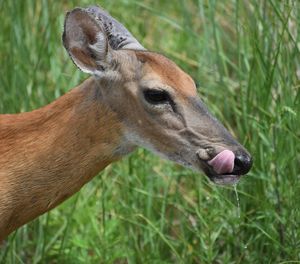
(100, 47)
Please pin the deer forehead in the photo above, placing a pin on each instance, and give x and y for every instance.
(159, 67)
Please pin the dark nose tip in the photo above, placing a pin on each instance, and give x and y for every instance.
(242, 163)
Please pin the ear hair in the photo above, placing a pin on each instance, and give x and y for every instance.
(86, 42)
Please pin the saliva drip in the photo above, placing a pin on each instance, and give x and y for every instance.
(238, 200)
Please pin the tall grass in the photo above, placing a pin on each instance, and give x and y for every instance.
(245, 57)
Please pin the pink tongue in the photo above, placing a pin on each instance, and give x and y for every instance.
(223, 162)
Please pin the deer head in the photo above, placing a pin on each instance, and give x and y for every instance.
(156, 102)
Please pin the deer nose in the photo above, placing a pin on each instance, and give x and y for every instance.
(242, 163)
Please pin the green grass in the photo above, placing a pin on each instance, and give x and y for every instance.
(245, 56)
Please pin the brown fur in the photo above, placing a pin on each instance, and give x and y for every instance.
(169, 72)
(48, 154)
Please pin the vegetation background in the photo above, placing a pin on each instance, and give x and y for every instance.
(245, 57)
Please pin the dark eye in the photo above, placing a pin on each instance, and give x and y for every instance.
(154, 96)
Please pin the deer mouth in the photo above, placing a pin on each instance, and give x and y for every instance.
(221, 179)
(220, 169)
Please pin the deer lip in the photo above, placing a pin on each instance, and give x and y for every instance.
(219, 178)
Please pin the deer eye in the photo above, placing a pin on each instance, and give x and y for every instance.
(155, 96)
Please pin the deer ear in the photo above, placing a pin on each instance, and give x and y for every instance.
(86, 42)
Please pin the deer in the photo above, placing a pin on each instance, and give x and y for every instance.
(133, 98)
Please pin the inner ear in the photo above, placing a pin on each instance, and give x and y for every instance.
(85, 41)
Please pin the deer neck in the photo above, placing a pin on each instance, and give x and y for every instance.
(50, 153)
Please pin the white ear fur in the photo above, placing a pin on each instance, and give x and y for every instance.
(86, 42)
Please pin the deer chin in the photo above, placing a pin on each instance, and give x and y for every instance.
(225, 179)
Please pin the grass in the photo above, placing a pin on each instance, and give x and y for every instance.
(245, 57)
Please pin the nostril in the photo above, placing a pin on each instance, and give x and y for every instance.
(242, 164)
